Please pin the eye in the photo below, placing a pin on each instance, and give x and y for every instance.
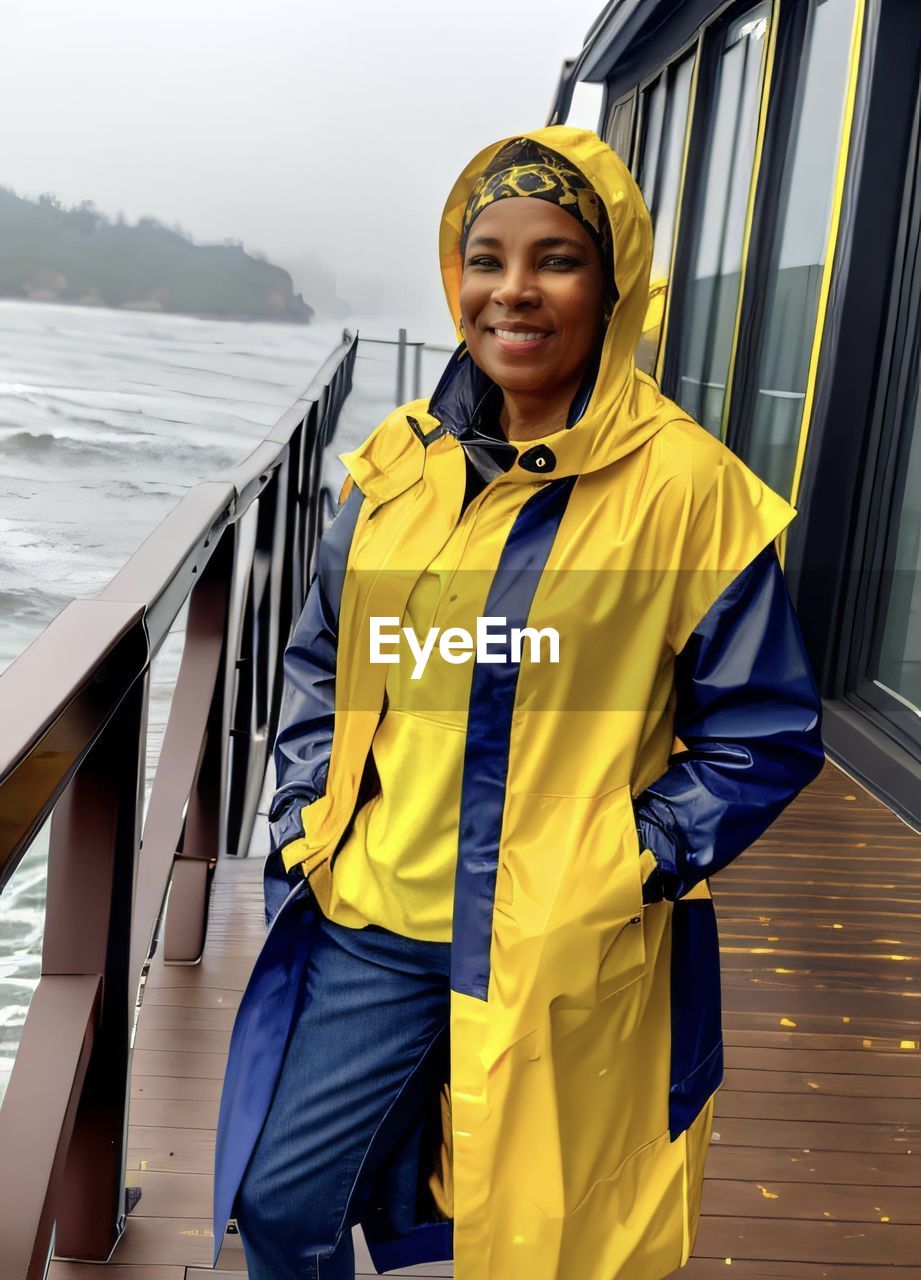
(557, 261)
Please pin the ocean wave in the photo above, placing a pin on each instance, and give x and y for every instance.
(106, 419)
(33, 603)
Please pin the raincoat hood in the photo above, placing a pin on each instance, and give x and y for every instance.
(617, 408)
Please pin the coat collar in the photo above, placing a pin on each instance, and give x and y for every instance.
(466, 404)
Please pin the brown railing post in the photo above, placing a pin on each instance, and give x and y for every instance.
(198, 716)
(95, 840)
(258, 653)
(35, 1138)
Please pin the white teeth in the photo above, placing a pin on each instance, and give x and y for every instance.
(512, 335)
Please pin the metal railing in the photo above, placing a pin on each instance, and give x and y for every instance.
(73, 717)
(403, 347)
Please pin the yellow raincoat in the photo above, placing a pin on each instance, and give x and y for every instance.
(582, 1070)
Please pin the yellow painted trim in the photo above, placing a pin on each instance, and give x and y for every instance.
(833, 227)
(767, 76)
(679, 203)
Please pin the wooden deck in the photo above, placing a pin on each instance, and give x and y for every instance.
(815, 1166)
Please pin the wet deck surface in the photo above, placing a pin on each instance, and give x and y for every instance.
(815, 1166)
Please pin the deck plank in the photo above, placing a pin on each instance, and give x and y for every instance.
(814, 1169)
(112, 1271)
(176, 1087)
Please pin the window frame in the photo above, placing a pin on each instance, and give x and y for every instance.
(669, 71)
(609, 106)
(690, 216)
(830, 546)
(897, 392)
(689, 49)
(781, 120)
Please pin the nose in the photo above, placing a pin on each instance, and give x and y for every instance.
(516, 286)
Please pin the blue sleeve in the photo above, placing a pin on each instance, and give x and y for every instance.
(305, 726)
(749, 714)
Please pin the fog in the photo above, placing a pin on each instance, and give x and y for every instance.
(324, 135)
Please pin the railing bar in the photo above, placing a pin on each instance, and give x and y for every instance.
(38, 1115)
(63, 728)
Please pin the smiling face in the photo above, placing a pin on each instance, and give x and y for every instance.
(531, 296)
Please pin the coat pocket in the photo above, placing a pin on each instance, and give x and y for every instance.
(569, 911)
(625, 958)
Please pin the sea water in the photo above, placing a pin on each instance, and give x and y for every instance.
(106, 419)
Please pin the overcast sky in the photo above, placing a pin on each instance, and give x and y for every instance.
(330, 129)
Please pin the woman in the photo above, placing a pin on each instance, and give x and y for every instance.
(500, 868)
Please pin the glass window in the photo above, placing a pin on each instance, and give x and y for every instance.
(653, 125)
(896, 662)
(704, 341)
(665, 111)
(585, 106)
(619, 133)
(665, 116)
(792, 293)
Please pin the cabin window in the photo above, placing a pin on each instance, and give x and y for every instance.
(619, 131)
(651, 145)
(885, 662)
(660, 163)
(585, 106)
(699, 362)
(883, 677)
(773, 410)
(661, 157)
(896, 660)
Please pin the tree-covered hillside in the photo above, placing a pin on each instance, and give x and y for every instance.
(49, 253)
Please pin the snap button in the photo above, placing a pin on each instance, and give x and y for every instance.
(540, 458)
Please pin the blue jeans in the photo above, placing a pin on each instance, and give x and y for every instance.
(373, 1022)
